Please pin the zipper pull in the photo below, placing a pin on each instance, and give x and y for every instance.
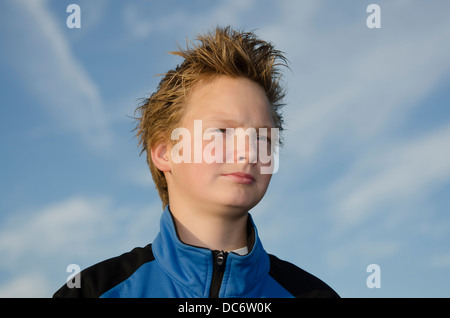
(220, 257)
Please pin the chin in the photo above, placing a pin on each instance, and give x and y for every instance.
(237, 198)
(243, 204)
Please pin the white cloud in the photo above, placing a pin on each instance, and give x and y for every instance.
(26, 286)
(221, 13)
(441, 261)
(354, 84)
(48, 67)
(360, 251)
(36, 246)
(401, 172)
(77, 221)
(52, 229)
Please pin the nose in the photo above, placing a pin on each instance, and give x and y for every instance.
(247, 156)
(246, 147)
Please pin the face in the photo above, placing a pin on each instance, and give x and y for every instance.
(220, 139)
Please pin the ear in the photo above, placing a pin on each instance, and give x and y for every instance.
(160, 157)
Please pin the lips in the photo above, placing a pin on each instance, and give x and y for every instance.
(241, 177)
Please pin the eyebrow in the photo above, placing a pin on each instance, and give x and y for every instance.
(229, 123)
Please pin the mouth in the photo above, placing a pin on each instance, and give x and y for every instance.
(241, 177)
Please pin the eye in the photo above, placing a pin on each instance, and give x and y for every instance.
(215, 131)
(264, 138)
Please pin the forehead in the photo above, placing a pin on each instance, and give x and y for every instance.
(229, 99)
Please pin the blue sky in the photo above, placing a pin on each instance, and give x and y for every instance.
(364, 176)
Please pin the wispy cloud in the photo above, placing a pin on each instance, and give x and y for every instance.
(75, 221)
(358, 89)
(441, 261)
(400, 172)
(223, 12)
(360, 251)
(36, 244)
(25, 286)
(58, 79)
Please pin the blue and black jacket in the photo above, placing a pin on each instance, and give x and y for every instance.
(170, 268)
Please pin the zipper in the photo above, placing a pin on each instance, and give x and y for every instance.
(219, 260)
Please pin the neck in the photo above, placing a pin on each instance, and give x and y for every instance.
(224, 230)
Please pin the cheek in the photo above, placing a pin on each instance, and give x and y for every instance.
(264, 179)
(198, 175)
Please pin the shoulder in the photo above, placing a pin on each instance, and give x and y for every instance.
(297, 281)
(101, 277)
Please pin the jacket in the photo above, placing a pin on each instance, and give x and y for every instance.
(170, 268)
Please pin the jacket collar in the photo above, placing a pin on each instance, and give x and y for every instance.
(192, 266)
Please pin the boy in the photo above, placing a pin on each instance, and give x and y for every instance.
(210, 132)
